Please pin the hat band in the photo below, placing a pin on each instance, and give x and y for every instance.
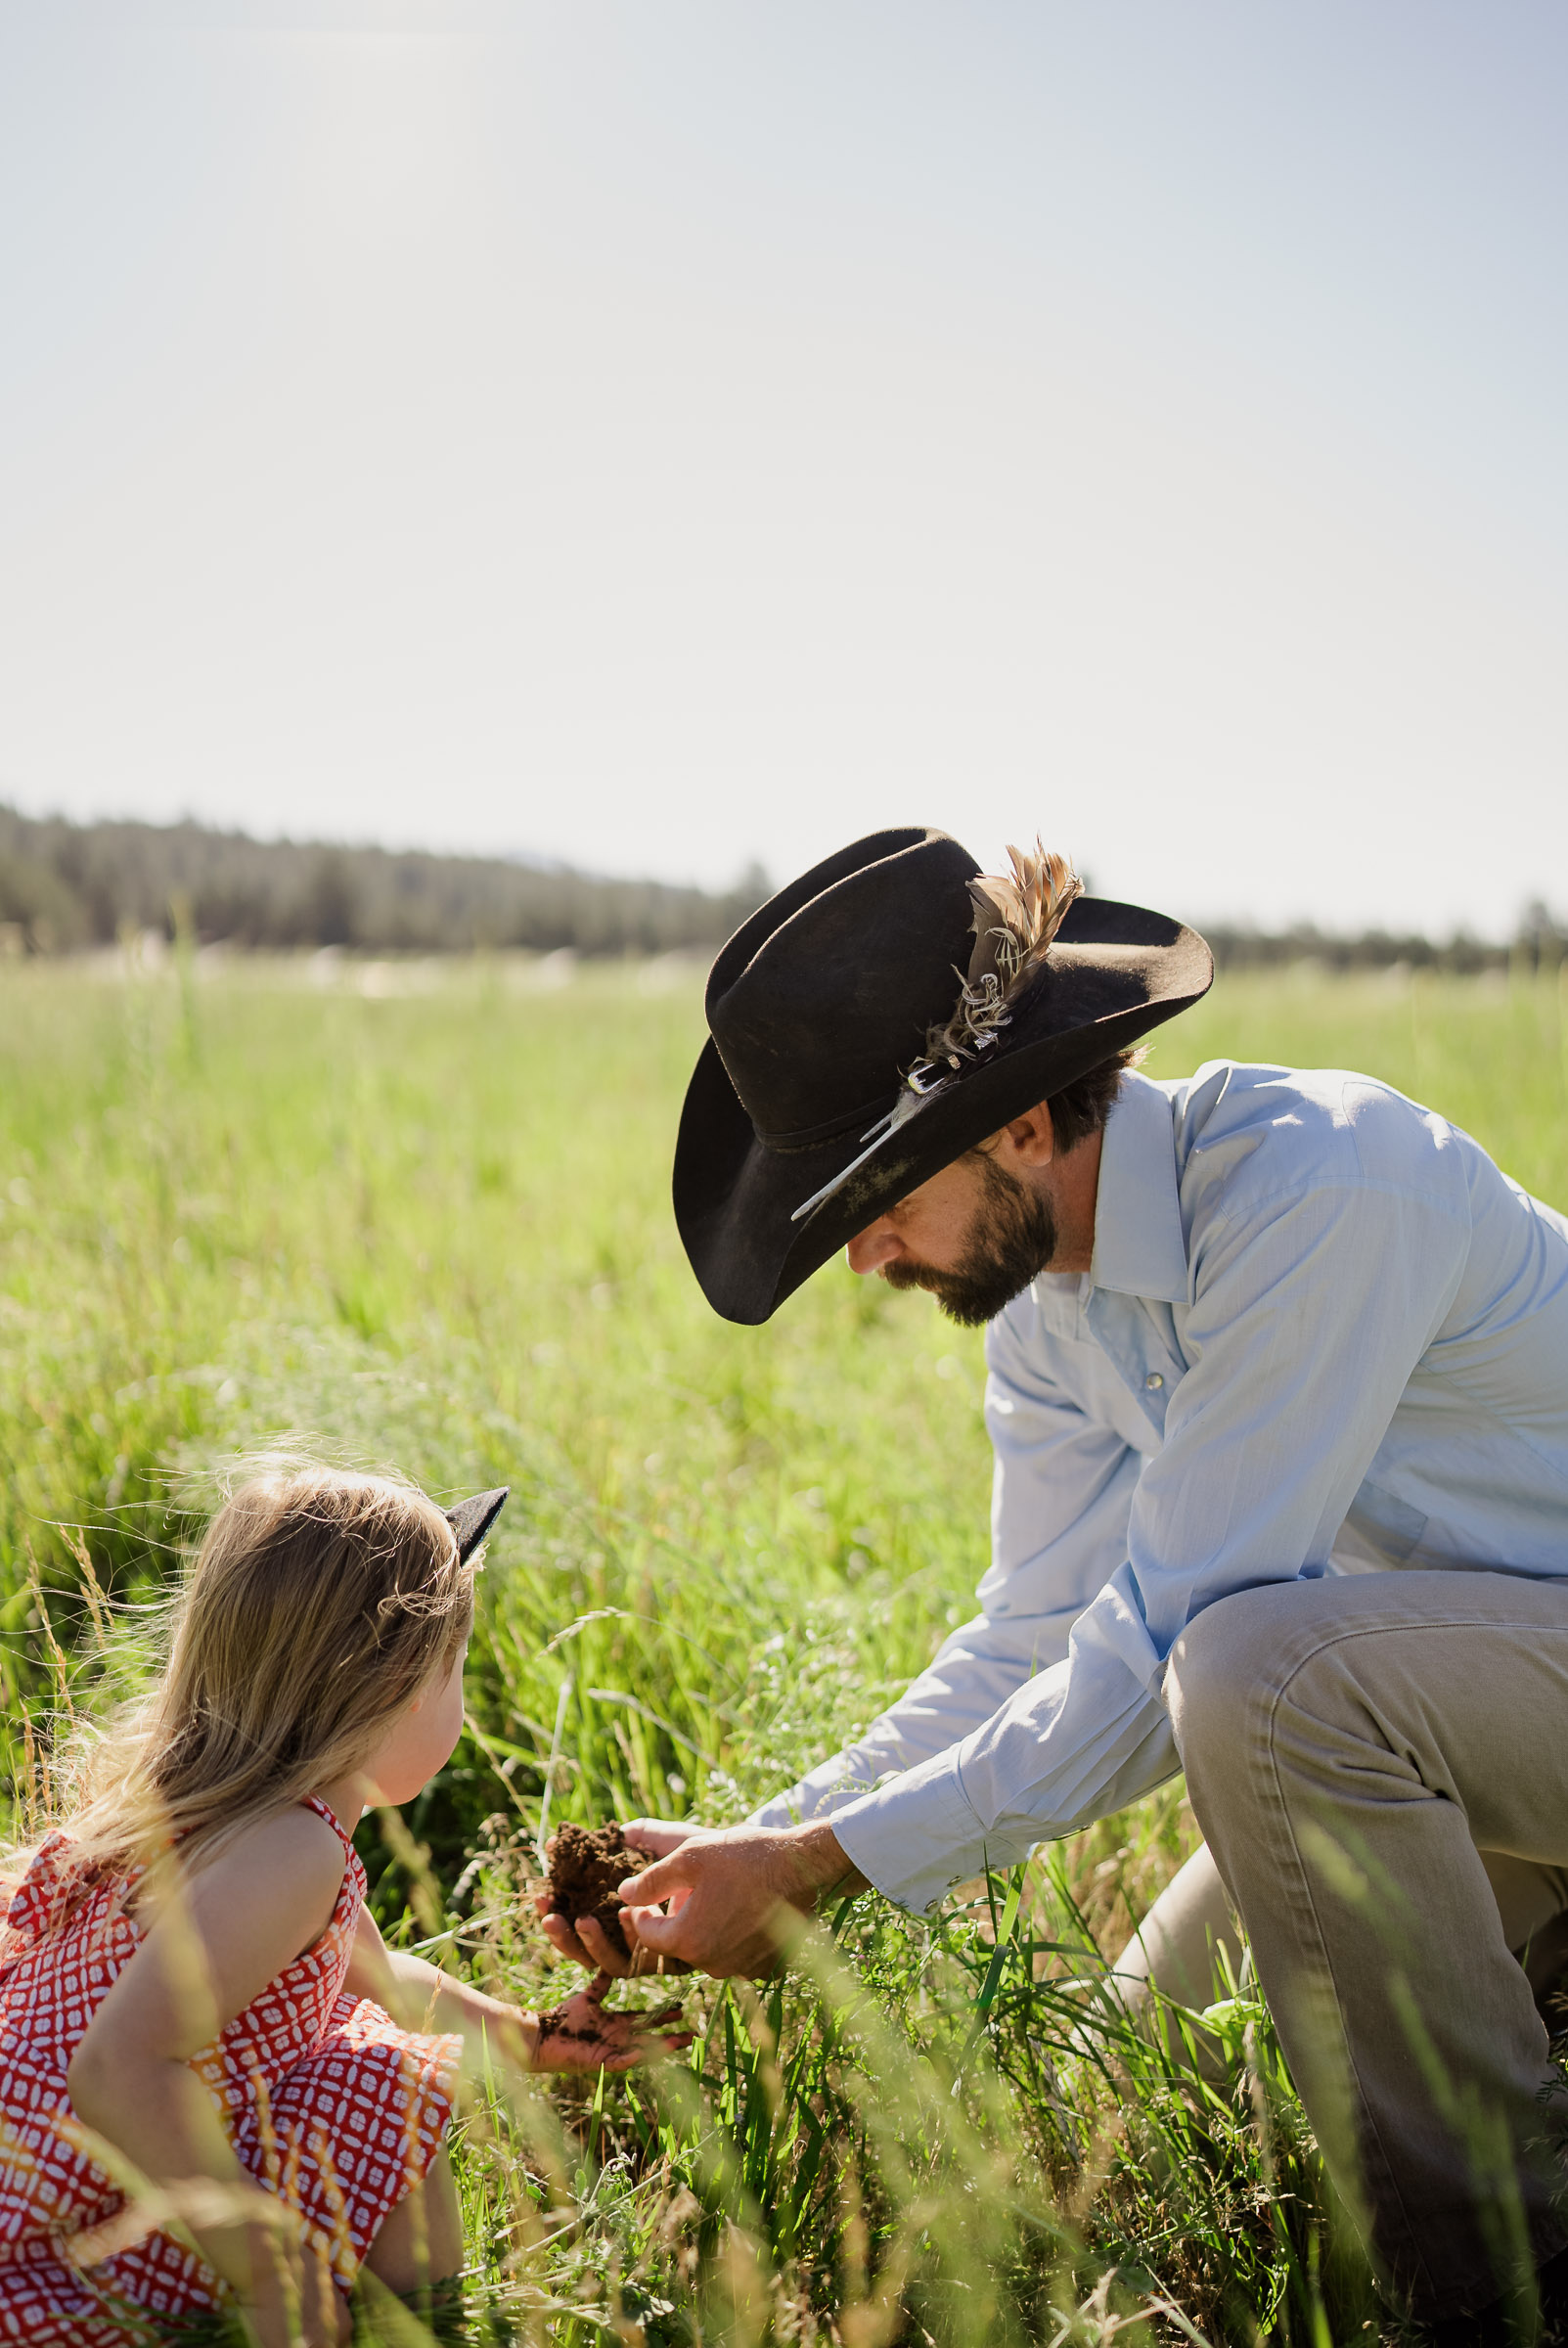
(808, 1136)
(909, 1101)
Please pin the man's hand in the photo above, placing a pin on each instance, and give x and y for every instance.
(583, 1939)
(731, 1897)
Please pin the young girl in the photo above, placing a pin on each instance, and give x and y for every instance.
(192, 1996)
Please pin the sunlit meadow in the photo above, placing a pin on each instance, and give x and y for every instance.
(419, 1213)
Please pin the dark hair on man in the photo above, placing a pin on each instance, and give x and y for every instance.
(1081, 1108)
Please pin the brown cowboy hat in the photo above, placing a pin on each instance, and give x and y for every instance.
(857, 1045)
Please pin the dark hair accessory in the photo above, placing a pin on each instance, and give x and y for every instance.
(473, 1518)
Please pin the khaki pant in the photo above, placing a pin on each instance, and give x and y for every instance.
(1380, 1767)
(1176, 1951)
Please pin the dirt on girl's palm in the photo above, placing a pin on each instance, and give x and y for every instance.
(579, 2035)
(587, 1867)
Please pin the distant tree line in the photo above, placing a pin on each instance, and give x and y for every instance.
(1540, 942)
(66, 885)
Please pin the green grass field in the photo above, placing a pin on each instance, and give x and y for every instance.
(432, 1228)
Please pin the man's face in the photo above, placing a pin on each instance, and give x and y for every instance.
(975, 1236)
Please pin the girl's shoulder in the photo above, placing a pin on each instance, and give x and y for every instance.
(263, 1898)
(304, 1841)
(289, 1860)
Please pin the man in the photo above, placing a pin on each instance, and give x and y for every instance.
(1279, 1395)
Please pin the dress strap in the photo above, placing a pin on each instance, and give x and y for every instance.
(313, 1801)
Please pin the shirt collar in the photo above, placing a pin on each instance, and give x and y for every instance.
(1140, 1248)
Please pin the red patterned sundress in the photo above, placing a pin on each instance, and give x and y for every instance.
(328, 2102)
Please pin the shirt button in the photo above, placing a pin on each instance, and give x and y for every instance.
(1153, 1380)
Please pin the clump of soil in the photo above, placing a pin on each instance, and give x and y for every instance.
(587, 1866)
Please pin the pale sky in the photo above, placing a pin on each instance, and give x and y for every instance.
(661, 433)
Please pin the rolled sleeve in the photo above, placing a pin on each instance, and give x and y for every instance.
(916, 1837)
(974, 1806)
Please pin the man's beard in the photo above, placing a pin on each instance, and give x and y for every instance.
(1013, 1237)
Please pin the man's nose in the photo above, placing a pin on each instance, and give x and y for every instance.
(876, 1246)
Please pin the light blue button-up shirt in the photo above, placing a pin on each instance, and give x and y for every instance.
(1321, 1332)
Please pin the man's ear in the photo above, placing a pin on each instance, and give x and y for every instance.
(1029, 1140)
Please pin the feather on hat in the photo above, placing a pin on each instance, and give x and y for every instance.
(1016, 916)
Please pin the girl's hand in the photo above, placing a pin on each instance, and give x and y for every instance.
(580, 2036)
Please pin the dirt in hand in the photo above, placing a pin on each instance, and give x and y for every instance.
(554, 2023)
(565, 2021)
(587, 1866)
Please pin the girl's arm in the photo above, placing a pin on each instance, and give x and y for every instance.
(209, 1947)
(579, 2036)
(421, 1997)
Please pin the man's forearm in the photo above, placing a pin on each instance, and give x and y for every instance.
(830, 1871)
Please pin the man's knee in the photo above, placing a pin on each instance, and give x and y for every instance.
(1222, 1656)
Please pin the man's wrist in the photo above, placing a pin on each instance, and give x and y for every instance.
(832, 1872)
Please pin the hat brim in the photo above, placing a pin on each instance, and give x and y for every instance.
(1117, 971)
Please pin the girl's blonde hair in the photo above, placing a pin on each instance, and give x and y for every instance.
(318, 1606)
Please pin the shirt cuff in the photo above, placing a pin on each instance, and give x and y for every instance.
(916, 1837)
